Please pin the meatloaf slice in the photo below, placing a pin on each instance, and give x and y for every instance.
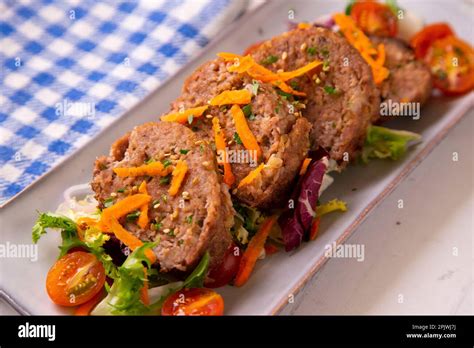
(342, 98)
(197, 219)
(409, 79)
(275, 121)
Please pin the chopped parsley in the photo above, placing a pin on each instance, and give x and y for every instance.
(312, 51)
(247, 110)
(109, 202)
(294, 85)
(252, 117)
(269, 60)
(237, 138)
(165, 180)
(150, 160)
(171, 233)
(166, 162)
(156, 226)
(330, 90)
(180, 242)
(133, 216)
(121, 190)
(325, 52)
(189, 219)
(183, 151)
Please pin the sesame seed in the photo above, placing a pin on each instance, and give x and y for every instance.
(113, 194)
(156, 205)
(208, 116)
(284, 55)
(166, 230)
(303, 46)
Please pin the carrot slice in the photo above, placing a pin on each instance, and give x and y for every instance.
(143, 218)
(86, 308)
(304, 166)
(219, 139)
(183, 116)
(251, 176)
(251, 254)
(152, 169)
(179, 172)
(243, 130)
(241, 96)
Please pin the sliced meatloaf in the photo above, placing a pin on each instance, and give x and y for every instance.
(275, 121)
(196, 219)
(342, 98)
(409, 79)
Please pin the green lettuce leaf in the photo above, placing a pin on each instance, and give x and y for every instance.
(383, 143)
(93, 238)
(124, 295)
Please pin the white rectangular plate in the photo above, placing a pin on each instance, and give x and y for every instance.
(22, 282)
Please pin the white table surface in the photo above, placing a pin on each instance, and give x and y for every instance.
(423, 264)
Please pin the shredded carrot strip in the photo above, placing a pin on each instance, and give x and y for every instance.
(247, 64)
(179, 172)
(251, 254)
(86, 308)
(183, 116)
(314, 228)
(241, 96)
(362, 43)
(123, 207)
(285, 76)
(285, 88)
(152, 169)
(304, 166)
(143, 218)
(304, 25)
(251, 176)
(220, 141)
(243, 130)
(127, 238)
(240, 65)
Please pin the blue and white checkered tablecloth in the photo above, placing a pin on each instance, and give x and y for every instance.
(69, 68)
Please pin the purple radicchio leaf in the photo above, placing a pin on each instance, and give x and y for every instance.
(296, 223)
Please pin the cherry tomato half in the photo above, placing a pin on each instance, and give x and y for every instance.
(75, 278)
(423, 40)
(195, 301)
(452, 65)
(374, 18)
(226, 271)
